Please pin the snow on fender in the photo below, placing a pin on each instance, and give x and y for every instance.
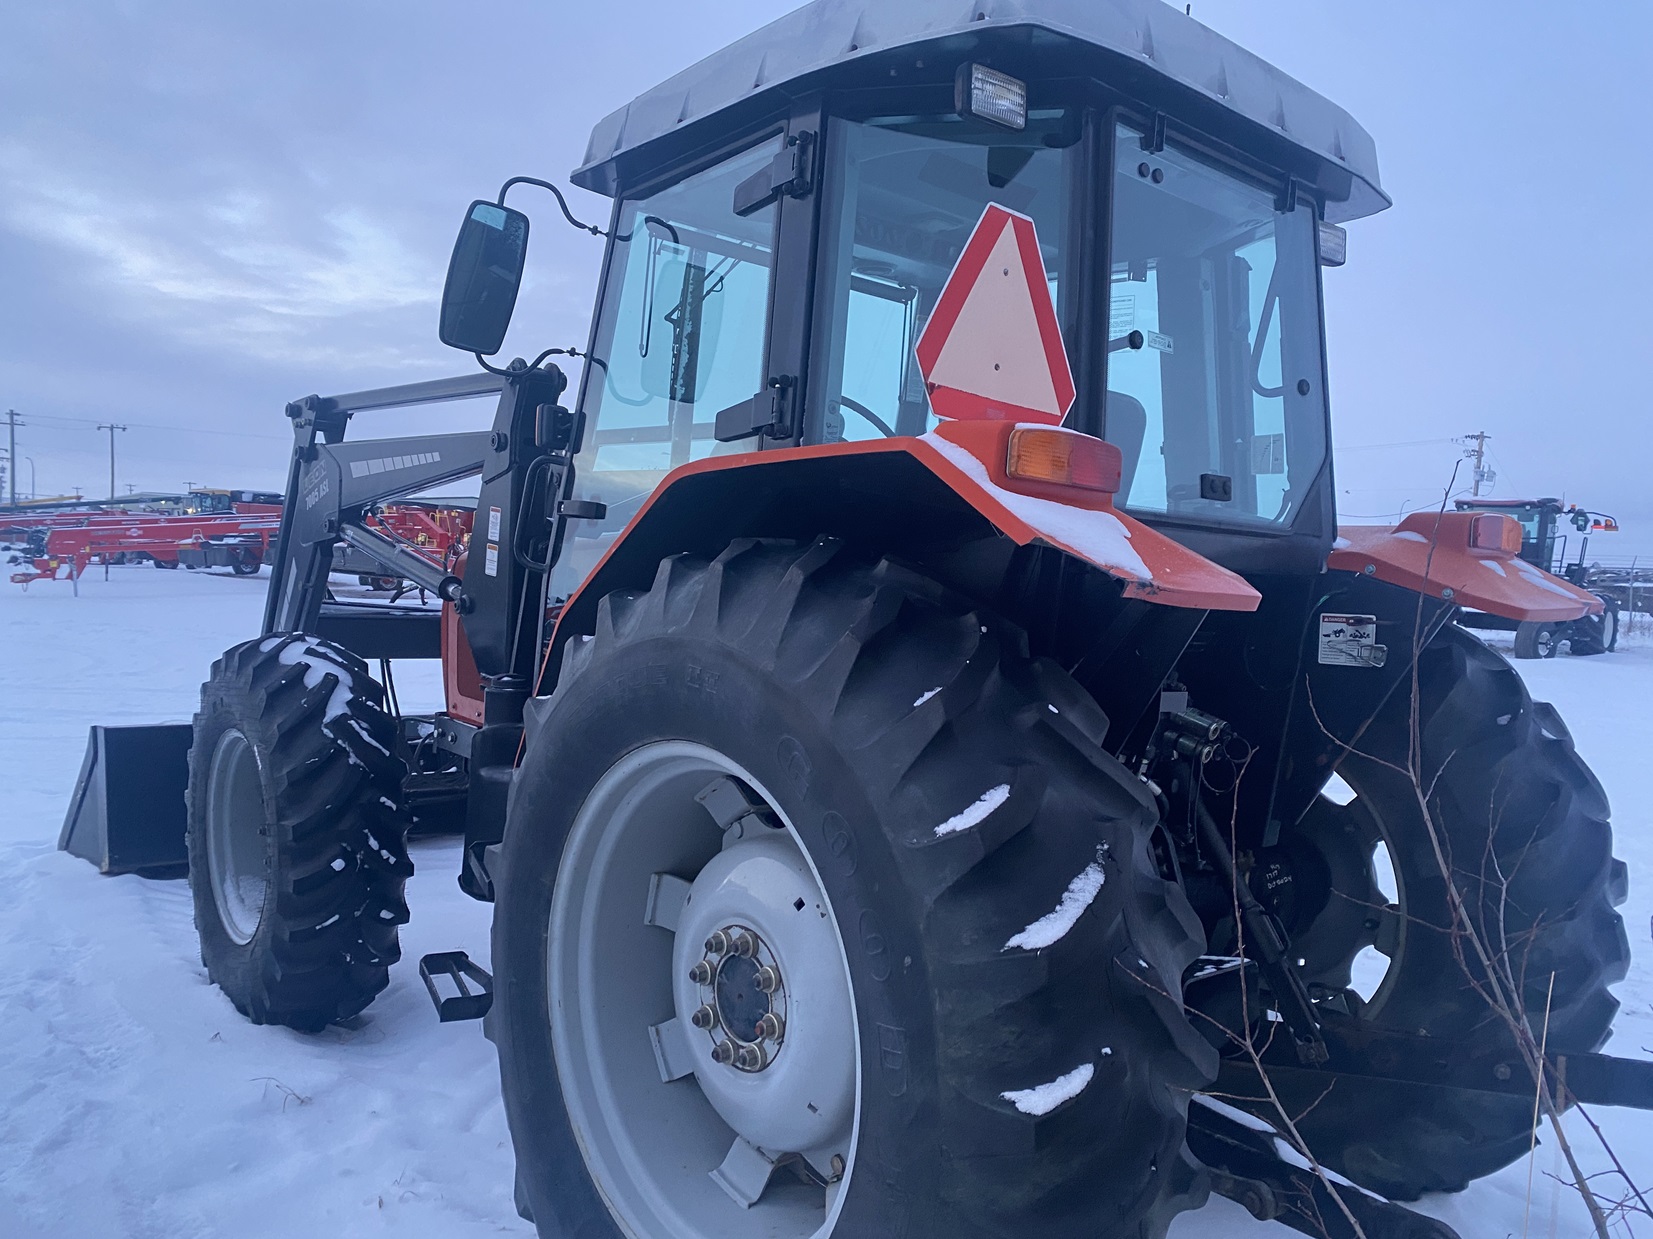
(972, 458)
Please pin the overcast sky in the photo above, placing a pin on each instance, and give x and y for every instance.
(209, 208)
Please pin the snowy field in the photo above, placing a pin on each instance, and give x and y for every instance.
(134, 1101)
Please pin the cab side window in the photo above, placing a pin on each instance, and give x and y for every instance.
(1214, 340)
(681, 335)
(684, 319)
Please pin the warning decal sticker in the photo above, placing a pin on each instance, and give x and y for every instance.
(1350, 641)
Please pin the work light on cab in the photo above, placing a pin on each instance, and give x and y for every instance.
(990, 95)
(1493, 532)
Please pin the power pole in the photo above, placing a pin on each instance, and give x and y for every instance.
(11, 419)
(1478, 453)
(112, 428)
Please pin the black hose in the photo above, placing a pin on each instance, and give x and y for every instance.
(855, 406)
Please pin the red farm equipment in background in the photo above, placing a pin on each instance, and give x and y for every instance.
(65, 544)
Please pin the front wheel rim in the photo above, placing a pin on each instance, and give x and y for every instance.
(1361, 955)
(671, 929)
(236, 837)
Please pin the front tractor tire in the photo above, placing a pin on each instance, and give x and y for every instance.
(297, 856)
(1597, 634)
(822, 913)
(1537, 639)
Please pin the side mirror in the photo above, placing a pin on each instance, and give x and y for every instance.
(483, 278)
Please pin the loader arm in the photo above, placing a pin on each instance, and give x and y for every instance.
(335, 486)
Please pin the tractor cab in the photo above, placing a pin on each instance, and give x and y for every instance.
(787, 212)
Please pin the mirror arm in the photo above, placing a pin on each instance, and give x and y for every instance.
(561, 202)
(518, 366)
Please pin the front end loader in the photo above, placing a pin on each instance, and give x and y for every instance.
(937, 767)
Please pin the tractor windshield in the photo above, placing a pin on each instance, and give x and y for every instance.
(1219, 410)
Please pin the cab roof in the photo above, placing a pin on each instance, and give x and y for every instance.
(808, 47)
(1466, 504)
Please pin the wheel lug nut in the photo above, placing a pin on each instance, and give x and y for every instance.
(745, 945)
(701, 973)
(723, 1052)
(718, 943)
(749, 1058)
(705, 1017)
(771, 1027)
(768, 979)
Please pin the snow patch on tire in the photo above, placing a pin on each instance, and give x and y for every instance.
(1042, 1099)
(977, 813)
(1051, 928)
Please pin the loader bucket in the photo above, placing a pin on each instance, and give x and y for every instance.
(127, 814)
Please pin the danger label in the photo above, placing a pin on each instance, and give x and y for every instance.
(1350, 641)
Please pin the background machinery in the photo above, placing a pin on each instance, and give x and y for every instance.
(911, 708)
(1544, 546)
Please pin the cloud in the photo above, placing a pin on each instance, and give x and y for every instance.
(224, 271)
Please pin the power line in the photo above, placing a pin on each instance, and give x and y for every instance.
(56, 418)
(1493, 456)
(1373, 447)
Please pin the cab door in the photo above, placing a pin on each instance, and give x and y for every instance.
(693, 292)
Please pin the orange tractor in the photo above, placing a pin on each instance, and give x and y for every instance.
(911, 708)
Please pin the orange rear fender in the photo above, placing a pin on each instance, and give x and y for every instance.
(1468, 558)
(907, 494)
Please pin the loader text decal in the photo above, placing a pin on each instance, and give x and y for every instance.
(385, 464)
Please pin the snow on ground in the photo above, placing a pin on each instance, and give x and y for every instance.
(134, 1101)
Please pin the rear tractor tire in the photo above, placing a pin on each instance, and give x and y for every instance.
(1524, 827)
(822, 912)
(297, 856)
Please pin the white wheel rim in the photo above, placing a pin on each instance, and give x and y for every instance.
(677, 1142)
(237, 847)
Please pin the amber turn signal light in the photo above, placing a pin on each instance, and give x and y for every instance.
(1063, 458)
(1494, 532)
